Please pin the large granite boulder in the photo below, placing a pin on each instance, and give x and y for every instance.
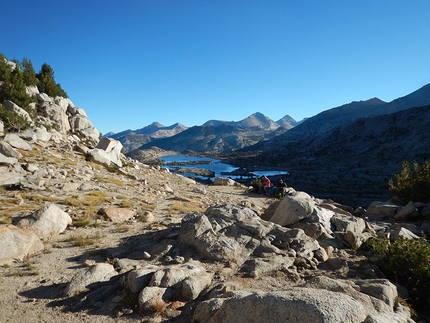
(113, 148)
(293, 208)
(295, 305)
(47, 222)
(17, 243)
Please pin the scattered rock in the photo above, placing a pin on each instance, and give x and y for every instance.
(117, 215)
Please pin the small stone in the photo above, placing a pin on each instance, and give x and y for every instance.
(89, 263)
(179, 260)
(127, 311)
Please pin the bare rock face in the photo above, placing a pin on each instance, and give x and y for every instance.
(297, 305)
(157, 285)
(17, 243)
(16, 142)
(4, 160)
(7, 150)
(231, 234)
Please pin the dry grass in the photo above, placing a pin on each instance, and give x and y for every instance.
(9, 201)
(6, 218)
(26, 268)
(90, 211)
(13, 206)
(125, 203)
(120, 228)
(186, 207)
(81, 222)
(109, 179)
(90, 199)
(40, 198)
(81, 240)
(94, 165)
(158, 306)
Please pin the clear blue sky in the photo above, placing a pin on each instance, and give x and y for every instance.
(129, 63)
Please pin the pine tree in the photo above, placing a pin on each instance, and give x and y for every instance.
(4, 68)
(13, 87)
(29, 74)
(47, 82)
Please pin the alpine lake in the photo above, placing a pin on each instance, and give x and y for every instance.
(206, 169)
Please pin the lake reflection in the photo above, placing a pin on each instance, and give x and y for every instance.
(211, 164)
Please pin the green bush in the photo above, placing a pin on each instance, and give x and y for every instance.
(412, 184)
(408, 261)
(256, 183)
(12, 121)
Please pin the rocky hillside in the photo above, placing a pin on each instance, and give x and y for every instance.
(88, 235)
(345, 114)
(338, 155)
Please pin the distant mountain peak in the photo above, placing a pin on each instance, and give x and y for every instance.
(287, 122)
(156, 124)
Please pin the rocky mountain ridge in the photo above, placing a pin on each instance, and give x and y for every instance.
(345, 114)
(256, 126)
(132, 140)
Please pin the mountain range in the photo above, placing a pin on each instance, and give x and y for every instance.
(214, 135)
(352, 149)
(133, 139)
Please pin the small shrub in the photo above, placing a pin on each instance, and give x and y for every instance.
(412, 184)
(409, 262)
(13, 122)
(256, 183)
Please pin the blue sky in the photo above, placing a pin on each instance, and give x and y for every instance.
(129, 63)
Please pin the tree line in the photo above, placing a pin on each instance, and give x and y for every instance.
(15, 77)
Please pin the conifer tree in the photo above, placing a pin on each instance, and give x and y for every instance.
(4, 68)
(13, 87)
(29, 73)
(47, 82)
